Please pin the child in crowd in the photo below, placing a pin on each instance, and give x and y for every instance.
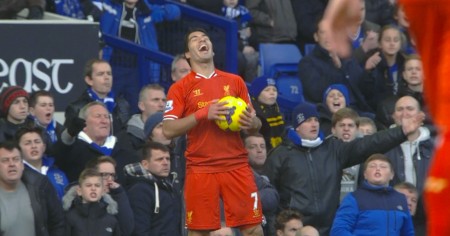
(264, 93)
(375, 208)
(32, 146)
(382, 77)
(335, 98)
(248, 58)
(86, 214)
(411, 194)
(366, 126)
(42, 109)
(13, 111)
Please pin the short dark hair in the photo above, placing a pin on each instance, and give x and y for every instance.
(34, 97)
(286, 215)
(89, 66)
(29, 129)
(380, 157)
(246, 136)
(344, 113)
(189, 32)
(149, 146)
(86, 173)
(94, 163)
(10, 146)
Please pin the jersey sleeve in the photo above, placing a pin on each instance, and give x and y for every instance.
(175, 104)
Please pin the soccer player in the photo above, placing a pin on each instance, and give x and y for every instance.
(217, 165)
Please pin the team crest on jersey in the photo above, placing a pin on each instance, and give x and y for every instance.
(226, 90)
(256, 213)
(169, 106)
(189, 217)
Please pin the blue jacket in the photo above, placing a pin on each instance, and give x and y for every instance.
(373, 210)
(146, 16)
(56, 176)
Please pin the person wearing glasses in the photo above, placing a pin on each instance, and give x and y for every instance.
(106, 166)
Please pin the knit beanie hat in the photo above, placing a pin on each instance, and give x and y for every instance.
(8, 96)
(341, 88)
(259, 84)
(152, 122)
(302, 112)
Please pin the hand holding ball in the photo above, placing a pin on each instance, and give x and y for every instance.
(231, 121)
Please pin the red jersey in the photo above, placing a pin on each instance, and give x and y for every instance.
(209, 148)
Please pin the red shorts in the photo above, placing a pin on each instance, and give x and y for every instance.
(237, 190)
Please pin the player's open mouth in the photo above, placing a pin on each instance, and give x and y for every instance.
(203, 48)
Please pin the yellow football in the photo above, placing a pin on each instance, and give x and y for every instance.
(236, 106)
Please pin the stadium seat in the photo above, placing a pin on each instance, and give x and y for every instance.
(278, 57)
(290, 94)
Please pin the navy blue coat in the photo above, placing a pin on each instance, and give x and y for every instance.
(317, 72)
(166, 222)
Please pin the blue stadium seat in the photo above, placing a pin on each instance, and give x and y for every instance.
(278, 57)
(290, 94)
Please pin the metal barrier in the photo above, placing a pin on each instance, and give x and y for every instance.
(223, 33)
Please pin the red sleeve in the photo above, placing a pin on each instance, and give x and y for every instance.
(175, 105)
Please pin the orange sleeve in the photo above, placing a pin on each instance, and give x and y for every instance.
(430, 26)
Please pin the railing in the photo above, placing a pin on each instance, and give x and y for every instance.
(222, 31)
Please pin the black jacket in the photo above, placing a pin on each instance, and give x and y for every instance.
(47, 209)
(90, 219)
(309, 179)
(380, 12)
(72, 159)
(124, 215)
(120, 115)
(376, 84)
(8, 130)
(317, 72)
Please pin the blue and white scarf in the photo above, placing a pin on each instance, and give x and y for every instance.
(50, 129)
(105, 149)
(108, 100)
(296, 139)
